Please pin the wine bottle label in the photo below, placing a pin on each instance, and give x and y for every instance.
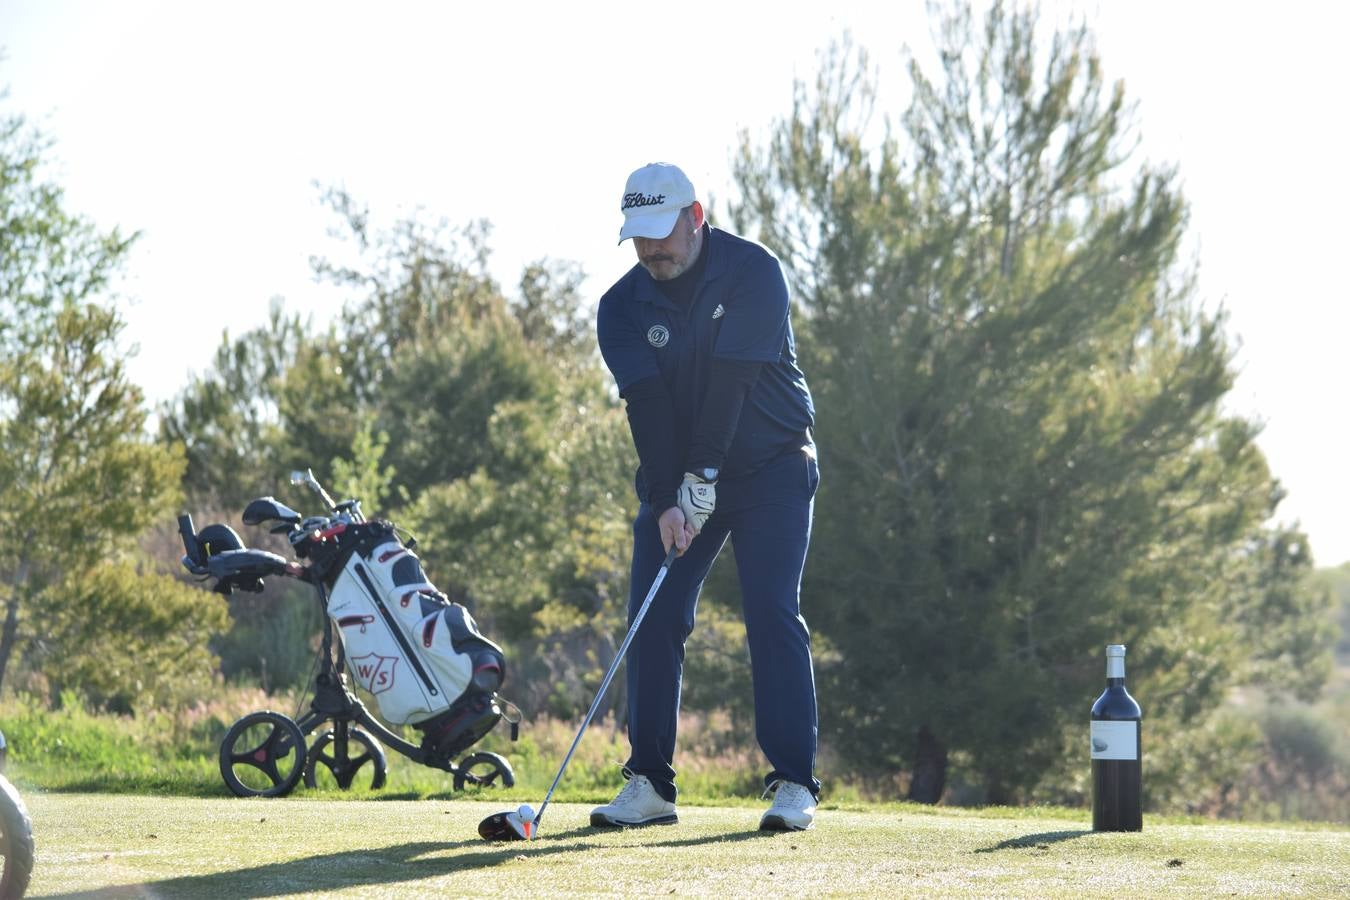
(1115, 740)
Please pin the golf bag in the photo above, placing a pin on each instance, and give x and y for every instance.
(421, 656)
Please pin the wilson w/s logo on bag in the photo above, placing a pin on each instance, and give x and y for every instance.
(375, 673)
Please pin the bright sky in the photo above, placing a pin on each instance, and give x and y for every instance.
(205, 125)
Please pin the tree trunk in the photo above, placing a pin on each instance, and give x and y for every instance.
(7, 637)
(930, 769)
(11, 629)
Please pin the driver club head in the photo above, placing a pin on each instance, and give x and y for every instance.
(506, 826)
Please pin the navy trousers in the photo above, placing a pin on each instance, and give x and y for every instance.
(768, 518)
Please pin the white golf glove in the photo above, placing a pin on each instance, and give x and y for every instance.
(697, 496)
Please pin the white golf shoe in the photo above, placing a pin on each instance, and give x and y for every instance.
(637, 804)
(793, 809)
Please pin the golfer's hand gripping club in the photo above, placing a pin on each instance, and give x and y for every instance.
(604, 685)
(676, 533)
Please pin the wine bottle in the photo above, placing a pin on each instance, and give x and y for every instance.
(1116, 757)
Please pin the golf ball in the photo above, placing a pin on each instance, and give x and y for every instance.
(526, 813)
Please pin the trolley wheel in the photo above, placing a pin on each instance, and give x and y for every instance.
(263, 755)
(16, 842)
(484, 770)
(341, 766)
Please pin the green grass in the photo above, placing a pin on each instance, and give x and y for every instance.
(73, 749)
(122, 845)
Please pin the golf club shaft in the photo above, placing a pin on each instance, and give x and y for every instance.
(609, 676)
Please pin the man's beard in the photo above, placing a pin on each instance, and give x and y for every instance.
(664, 268)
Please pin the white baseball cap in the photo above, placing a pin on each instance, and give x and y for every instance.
(652, 200)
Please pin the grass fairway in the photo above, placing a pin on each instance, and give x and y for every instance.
(131, 846)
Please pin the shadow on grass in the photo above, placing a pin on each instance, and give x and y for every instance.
(145, 787)
(382, 797)
(377, 866)
(1039, 841)
(217, 789)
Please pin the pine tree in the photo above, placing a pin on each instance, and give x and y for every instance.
(79, 477)
(1023, 449)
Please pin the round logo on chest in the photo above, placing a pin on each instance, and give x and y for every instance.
(658, 336)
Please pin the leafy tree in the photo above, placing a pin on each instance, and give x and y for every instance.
(534, 540)
(1336, 582)
(483, 423)
(554, 316)
(1019, 411)
(128, 639)
(79, 479)
(362, 473)
(227, 420)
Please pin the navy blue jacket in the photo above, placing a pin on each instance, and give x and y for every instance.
(739, 312)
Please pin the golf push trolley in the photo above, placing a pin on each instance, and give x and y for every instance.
(420, 656)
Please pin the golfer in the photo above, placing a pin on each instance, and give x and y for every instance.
(698, 338)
